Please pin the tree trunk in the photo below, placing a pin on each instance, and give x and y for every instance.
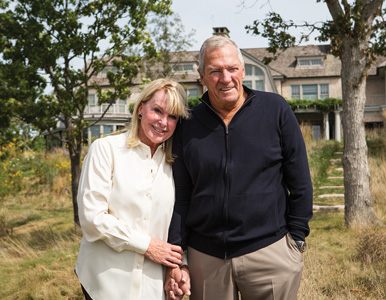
(75, 175)
(75, 151)
(359, 210)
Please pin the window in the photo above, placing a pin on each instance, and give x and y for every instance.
(304, 62)
(258, 72)
(310, 91)
(248, 83)
(259, 85)
(95, 131)
(91, 99)
(295, 91)
(310, 62)
(254, 77)
(92, 104)
(185, 67)
(104, 72)
(120, 106)
(107, 129)
(324, 92)
(316, 62)
(192, 92)
(248, 70)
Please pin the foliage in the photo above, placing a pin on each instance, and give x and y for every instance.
(194, 101)
(65, 44)
(324, 105)
(376, 142)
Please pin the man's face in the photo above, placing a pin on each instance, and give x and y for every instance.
(223, 76)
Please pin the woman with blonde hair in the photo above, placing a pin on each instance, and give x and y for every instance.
(126, 198)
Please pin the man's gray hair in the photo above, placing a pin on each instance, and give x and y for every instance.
(215, 42)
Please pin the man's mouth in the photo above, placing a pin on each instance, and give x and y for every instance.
(226, 89)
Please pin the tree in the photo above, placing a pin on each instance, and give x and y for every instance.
(171, 42)
(357, 34)
(53, 48)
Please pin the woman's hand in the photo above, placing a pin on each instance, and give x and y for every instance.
(177, 283)
(164, 253)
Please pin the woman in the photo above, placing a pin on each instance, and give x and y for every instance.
(126, 198)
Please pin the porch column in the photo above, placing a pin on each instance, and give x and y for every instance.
(326, 126)
(89, 140)
(337, 126)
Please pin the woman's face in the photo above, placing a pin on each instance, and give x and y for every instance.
(157, 124)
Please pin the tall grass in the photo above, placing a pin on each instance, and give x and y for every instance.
(39, 243)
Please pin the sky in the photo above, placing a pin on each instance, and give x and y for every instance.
(203, 15)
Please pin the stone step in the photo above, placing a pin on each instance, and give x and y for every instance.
(336, 177)
(328, 207)
(331, 196)
(333, 160)
(332, 187)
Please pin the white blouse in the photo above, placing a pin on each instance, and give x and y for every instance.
(125, 198)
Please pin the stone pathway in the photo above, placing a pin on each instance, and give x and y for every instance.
(335, 165)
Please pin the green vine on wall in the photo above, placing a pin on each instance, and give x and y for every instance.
(325, 105)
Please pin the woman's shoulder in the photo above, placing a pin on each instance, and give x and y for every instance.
(111, 141)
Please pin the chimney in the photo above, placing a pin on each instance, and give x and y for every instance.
(223, 31)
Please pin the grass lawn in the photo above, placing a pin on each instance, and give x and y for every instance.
(39, 243)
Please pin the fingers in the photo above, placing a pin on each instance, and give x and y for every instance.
(177, 283)
(175, 292)
(176, 248)
(164, 253)
(185, 282)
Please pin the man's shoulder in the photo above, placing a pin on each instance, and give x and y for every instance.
(269, 98)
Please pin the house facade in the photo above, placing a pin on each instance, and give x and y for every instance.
(302, 72)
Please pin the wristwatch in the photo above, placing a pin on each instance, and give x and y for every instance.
(301, 245)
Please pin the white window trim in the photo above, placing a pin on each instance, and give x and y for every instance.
(309, 59)
(300, 85)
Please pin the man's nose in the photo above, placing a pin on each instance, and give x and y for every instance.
(226, 76)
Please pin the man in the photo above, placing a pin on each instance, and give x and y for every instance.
(243, 188)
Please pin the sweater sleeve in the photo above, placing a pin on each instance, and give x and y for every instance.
(178, 232)
(296, 176)
(93, 204)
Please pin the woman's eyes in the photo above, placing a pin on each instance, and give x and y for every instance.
(158, 111)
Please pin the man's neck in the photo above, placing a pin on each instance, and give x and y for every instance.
(227, 112)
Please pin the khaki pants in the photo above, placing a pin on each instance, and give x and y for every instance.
(273, 272)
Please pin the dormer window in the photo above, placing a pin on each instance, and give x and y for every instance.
(309, 62)
(183, 68)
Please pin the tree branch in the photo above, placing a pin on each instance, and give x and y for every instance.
(335, 8)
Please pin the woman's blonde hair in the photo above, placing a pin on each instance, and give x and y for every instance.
(177, 105)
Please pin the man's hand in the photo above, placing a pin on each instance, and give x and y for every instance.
(164, 253)
(177, 283)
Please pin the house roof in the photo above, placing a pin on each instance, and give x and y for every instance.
(285, 64)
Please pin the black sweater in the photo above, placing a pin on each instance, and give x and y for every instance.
(240, 187)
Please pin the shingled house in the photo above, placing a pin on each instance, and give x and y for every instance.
(304, 72)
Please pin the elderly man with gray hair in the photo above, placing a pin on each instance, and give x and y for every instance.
(243, 189)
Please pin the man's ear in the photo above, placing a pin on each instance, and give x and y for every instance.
(201, 78)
